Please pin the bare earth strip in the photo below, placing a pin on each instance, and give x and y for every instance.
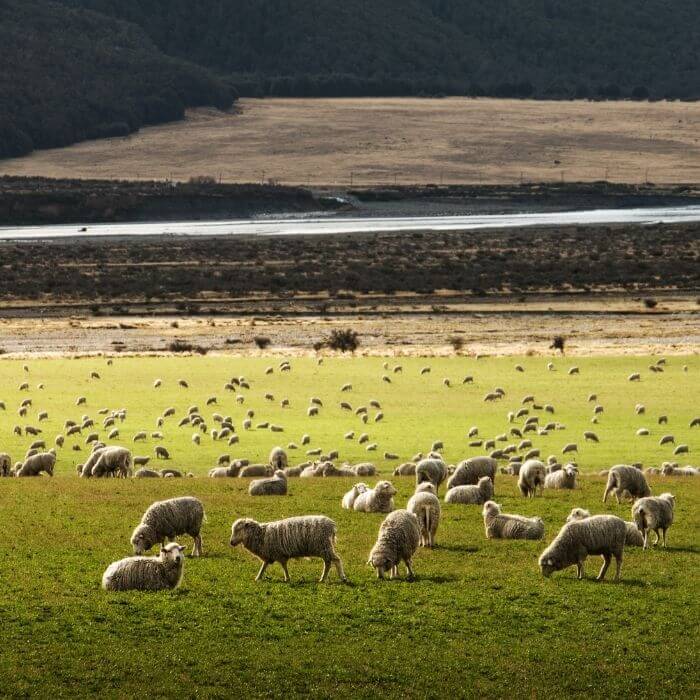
(409, 140)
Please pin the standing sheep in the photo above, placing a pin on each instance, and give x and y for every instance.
(34, 465)
(276, 485)
(113, 461)
(654, 514)
(398, 539)
(278, 458)
(5, 464)
(600, 534)
(624, 479)
(510, 527)
(531, 477)
(380, 499)
(633, 537)
(432, 470)
(425, 505)
(292, 538)
(471, 495)
(146, 573)
(470, 470)
(168, 519)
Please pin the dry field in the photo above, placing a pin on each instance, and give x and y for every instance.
(409, 140)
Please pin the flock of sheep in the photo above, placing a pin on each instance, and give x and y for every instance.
(471, 482)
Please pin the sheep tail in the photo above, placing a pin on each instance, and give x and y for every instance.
(427, 518)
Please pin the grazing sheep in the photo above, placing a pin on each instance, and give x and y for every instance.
(349, 498)
(278, 458)
(141, 461)
(562, 478)
(681, 450)
(471, 495)
(5, 464)
(633, 538)
(34, 465)
(666, 439)
(113, 461)
(634, 377)
(161, 452)
(590, 435)
(570, 447)
(147, 573)
(432, 470)
(654, 513)
(425, 505)
(510, 527)
(292, 538)
(574, 370)
(599, 534)
(171, 473)
(276, 485)
(165, 520)
(642, 432)
(146, 474)
(398, 539)
(405, 469)
(531, 477)
(624, 479)
(694, 422)
(380, 499)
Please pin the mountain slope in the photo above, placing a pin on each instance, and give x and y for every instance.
(69, 75)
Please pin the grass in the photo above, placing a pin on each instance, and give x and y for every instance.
(479, 621)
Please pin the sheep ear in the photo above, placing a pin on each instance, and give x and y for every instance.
(181, 547)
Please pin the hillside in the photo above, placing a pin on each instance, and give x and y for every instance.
(69, 75)
(509, 48)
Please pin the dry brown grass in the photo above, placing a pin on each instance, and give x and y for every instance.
(411, 140)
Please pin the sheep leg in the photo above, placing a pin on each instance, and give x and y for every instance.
(339, 567)
(283, 564)
(646, 538)
(663, 532)
(618, 566)
(409, 569)
(394, 571)
(656, 532)
(579, 570)
(261, 572)
(326, 569)
(607, 493)
(197, 549)
(603, 569)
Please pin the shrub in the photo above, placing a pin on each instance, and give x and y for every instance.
(650, 303)
(343, 340)
(558, 343)
(457, 343)
(261, 341)
(182, 346)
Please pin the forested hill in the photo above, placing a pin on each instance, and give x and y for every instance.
(543, 48)
(76, 69)
(68, 75)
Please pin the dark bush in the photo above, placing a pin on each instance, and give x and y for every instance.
(343, 340)
(261, 341)
(558, 343)
(650, 303)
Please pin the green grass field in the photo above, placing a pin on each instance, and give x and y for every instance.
(479, 621)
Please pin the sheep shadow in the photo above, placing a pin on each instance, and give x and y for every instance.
(456, 548)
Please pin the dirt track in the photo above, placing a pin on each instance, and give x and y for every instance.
(410, 140)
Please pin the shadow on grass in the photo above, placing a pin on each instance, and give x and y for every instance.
(456, 548)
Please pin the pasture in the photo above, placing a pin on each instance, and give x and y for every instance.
(480, 620)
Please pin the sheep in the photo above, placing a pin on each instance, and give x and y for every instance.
(672, 469)
(694, 422)
(405, 469)
(643, 432)
(380, 499)
(590, 435)
(574, 370)
(146, 474)
(231, 470)
(115, 461)
(562, 478)
(274, 486)
(655, 514)
(398, 539)
(681, 450)
(161, 452)
(531, 477)
(471, 495)
(256, 470)
(165, 520)
(633, 537)
(34, 465)
(329, 470)
(425, 505)
(432, 470)
(147, 573)
(171, 473)
(278, 458)
(291, 538)
(365, 469)
(510, 527)
(570, 447)
(634, 377)
(346, 387)
(349, 498)
(623, 479)
(5, 464)
(598, 534)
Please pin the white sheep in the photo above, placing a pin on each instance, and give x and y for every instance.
(165, 520)
(425, 505)
(531, 477)
(380, 499)
(349, 498)
(147, 573)
(471, 495)
(276, 485)
(562, 478)
(626, 480)
(633, 538)
(469, 471)
(398, 539)
(655, 514)
(510, 527)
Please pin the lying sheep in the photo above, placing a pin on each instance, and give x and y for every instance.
(34, 465)
(146, 474)
(349, 498)
(470, 470)
(654, 514)
(624, 479)
(633, 538)
(365, 469)
(471, 495)
(531, 477)
(147, 573)
(510, 527)
(380, 499)
(329, 470)
(425, 505)
(292, 538)
(562, 478)
(165, 520)
(405, 469)
(432, 470)
(276, 485)
(231, 470)
(599, 534)
(397, 541)
(256, 470)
